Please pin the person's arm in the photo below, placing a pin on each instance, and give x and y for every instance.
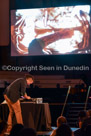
(26, 96)
(23, 90)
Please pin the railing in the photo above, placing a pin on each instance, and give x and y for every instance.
(87, 98)
(66, 100)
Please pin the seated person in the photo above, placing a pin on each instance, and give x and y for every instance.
(27, 132)
(81, 117)
(87, 121)
(16, 129)
(88, 130)
(60, 121)
(64, 130)
(89, 113)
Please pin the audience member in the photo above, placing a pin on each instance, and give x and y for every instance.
(81, 117)
(87, 121)
(16, 129)
(88, 130)
(27, 132)
(89, 113)
(64, 130)
(60, 121)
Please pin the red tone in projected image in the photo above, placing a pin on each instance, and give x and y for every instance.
(60, 30)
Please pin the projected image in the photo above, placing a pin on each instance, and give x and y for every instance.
(50, 31)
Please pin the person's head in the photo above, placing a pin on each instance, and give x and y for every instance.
(82, 116)
(3, 127)
(27, 132)
(64, 130)
(89, 113)
(61, 120)
(29, 79)
(16, 129)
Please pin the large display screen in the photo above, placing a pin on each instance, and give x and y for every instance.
(51, 31)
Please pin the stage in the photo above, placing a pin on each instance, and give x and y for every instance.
(35, 115)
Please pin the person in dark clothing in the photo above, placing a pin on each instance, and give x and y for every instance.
(88, 130)
(60, 120)
(81, 117)
(27, 132)
(64, 130)
(86, 122)
(12, 94)
(16, 129)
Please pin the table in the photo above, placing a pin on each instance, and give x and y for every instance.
(34, 115)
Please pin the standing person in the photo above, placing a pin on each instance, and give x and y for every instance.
(12, 94)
